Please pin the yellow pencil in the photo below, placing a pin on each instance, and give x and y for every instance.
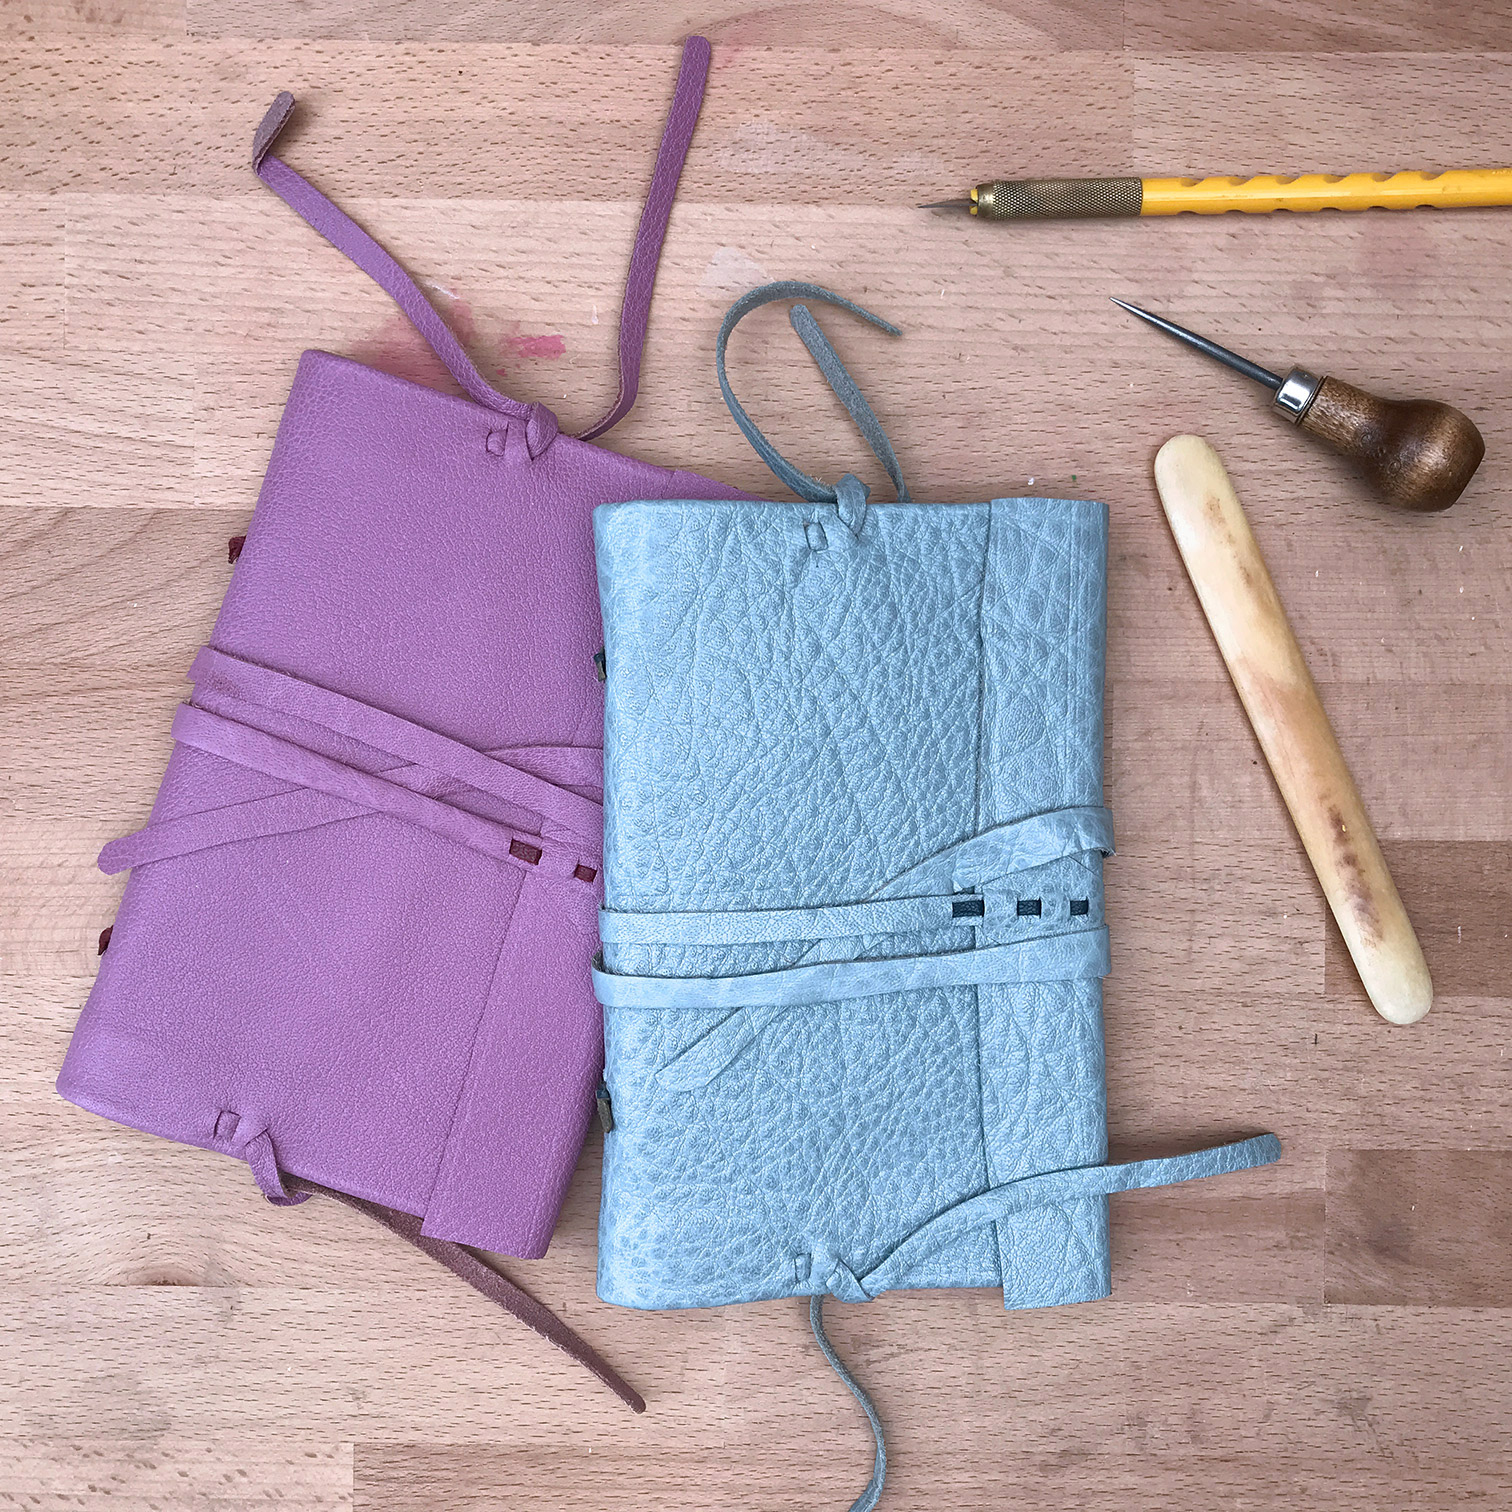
(1071, 199)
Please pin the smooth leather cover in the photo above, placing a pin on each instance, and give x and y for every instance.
(355, 945)
(789, 728)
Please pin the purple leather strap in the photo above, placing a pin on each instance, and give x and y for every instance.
(255, 749)
(640, 280)
(348, 237)
(465, 1265)
(228, 684)
(283, 813)
(271, 722)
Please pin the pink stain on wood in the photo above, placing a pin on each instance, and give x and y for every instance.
(396, 347)
(536, 346)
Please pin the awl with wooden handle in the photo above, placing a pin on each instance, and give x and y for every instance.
(1282, 702)
(1416, 453)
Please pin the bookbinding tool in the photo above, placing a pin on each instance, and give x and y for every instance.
(1417, 454)
(1082, 198)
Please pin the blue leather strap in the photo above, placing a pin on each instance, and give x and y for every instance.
(926, 896)
(760, 926)
(833, 1277)
(868, 1498)
(896, 908)
(836, 375)
(1046, 1189)
(1067, 957)
(1007, 848)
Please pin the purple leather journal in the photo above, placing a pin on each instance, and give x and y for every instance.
(354, 948)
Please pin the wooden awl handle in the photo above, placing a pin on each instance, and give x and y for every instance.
(1416, 453)
(1282, 702)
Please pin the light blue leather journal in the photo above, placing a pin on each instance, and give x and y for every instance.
(853, 934)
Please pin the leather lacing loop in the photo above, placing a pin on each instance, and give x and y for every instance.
(249, 1140)
(347, 236)
(850, 493)
(259, 1155)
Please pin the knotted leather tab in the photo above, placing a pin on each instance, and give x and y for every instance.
(252, 1142)
(541, 429)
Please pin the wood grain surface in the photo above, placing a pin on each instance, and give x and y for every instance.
(1333, 1332)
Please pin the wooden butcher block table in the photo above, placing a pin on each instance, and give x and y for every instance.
(1332, 1332)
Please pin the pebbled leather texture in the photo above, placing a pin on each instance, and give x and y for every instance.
(853, 938)
(793, 725)
(355, 944)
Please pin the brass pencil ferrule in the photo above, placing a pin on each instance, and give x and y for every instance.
(1057, 199)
